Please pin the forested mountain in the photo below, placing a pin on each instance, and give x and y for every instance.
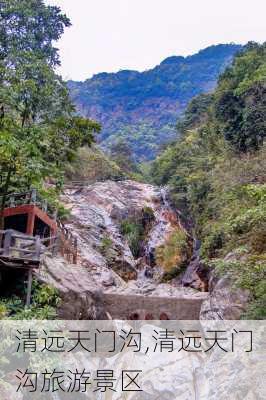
(217, 173)
(142, 107)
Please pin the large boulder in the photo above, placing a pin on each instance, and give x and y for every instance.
(224, 300)
(197, 275)
(81, 296)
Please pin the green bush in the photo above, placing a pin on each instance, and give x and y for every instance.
(248, 272)
(106, 245)
(133, 231)
(216, 171)
(213, 241)
(174, 254)
(44, 302)
(91, 165)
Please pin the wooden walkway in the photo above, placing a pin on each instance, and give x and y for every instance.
(24, 250)
(60, 240)
(19, 250)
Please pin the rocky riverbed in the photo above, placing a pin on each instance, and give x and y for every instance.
(97, 212)
(106, 262)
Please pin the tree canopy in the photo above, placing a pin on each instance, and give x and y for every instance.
(240, 99)
(216, 173)
(39, 129)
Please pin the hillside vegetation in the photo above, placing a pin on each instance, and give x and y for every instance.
(40, 132)
(217, 173)
(142, 107)
(91, 165)
(39, 129)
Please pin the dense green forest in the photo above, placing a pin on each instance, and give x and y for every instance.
(217, 173)
(40, 132)
(39, 128)
(141, 108)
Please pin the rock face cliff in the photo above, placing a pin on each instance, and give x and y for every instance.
(112, 281)
(107, 264)
(97, 212)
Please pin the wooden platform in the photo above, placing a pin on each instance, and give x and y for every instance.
(19, 250)
(32, 212)
(28, 217)
(31, 229)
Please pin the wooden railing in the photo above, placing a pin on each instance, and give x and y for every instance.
(67, 243)
(20, 247)
(29, 197)
(64, 242)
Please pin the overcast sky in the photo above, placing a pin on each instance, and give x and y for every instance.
(109, 35)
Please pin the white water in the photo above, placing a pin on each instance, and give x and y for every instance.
(148, 270)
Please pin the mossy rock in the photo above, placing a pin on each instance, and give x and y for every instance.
(172, 255)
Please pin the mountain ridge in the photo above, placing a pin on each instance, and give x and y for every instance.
(141, 108)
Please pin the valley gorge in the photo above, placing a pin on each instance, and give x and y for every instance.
(155, 275)
(132, 200)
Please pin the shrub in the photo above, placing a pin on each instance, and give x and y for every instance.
(248, 273)
(172, 255)
(213, 241)
(257, 238)
(133, 231)
(91, 165)
(106, 245)
(45, 300)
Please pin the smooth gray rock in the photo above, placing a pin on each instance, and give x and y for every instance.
(224, 300)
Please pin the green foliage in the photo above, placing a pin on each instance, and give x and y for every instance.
(121, 154)
(29, 25)
(39, 130)
(173, 255)
(44, 295)
(214, 240)
(249, 274)
(218, 179)
(141, 108)
(196, 112)
(135, 229)
(240, 99)
(134, 232)
(106, 245)
(3, 311)
(147, 215)
(45, 300)
(91, 165)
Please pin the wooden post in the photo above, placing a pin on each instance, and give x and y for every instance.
(55, 246)
(37, 254)
(33, 198)
(29, 285)
(45, 206)
(7, 242)
(12, 201)
(53, 233)
(55, 214)
(30, 223)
